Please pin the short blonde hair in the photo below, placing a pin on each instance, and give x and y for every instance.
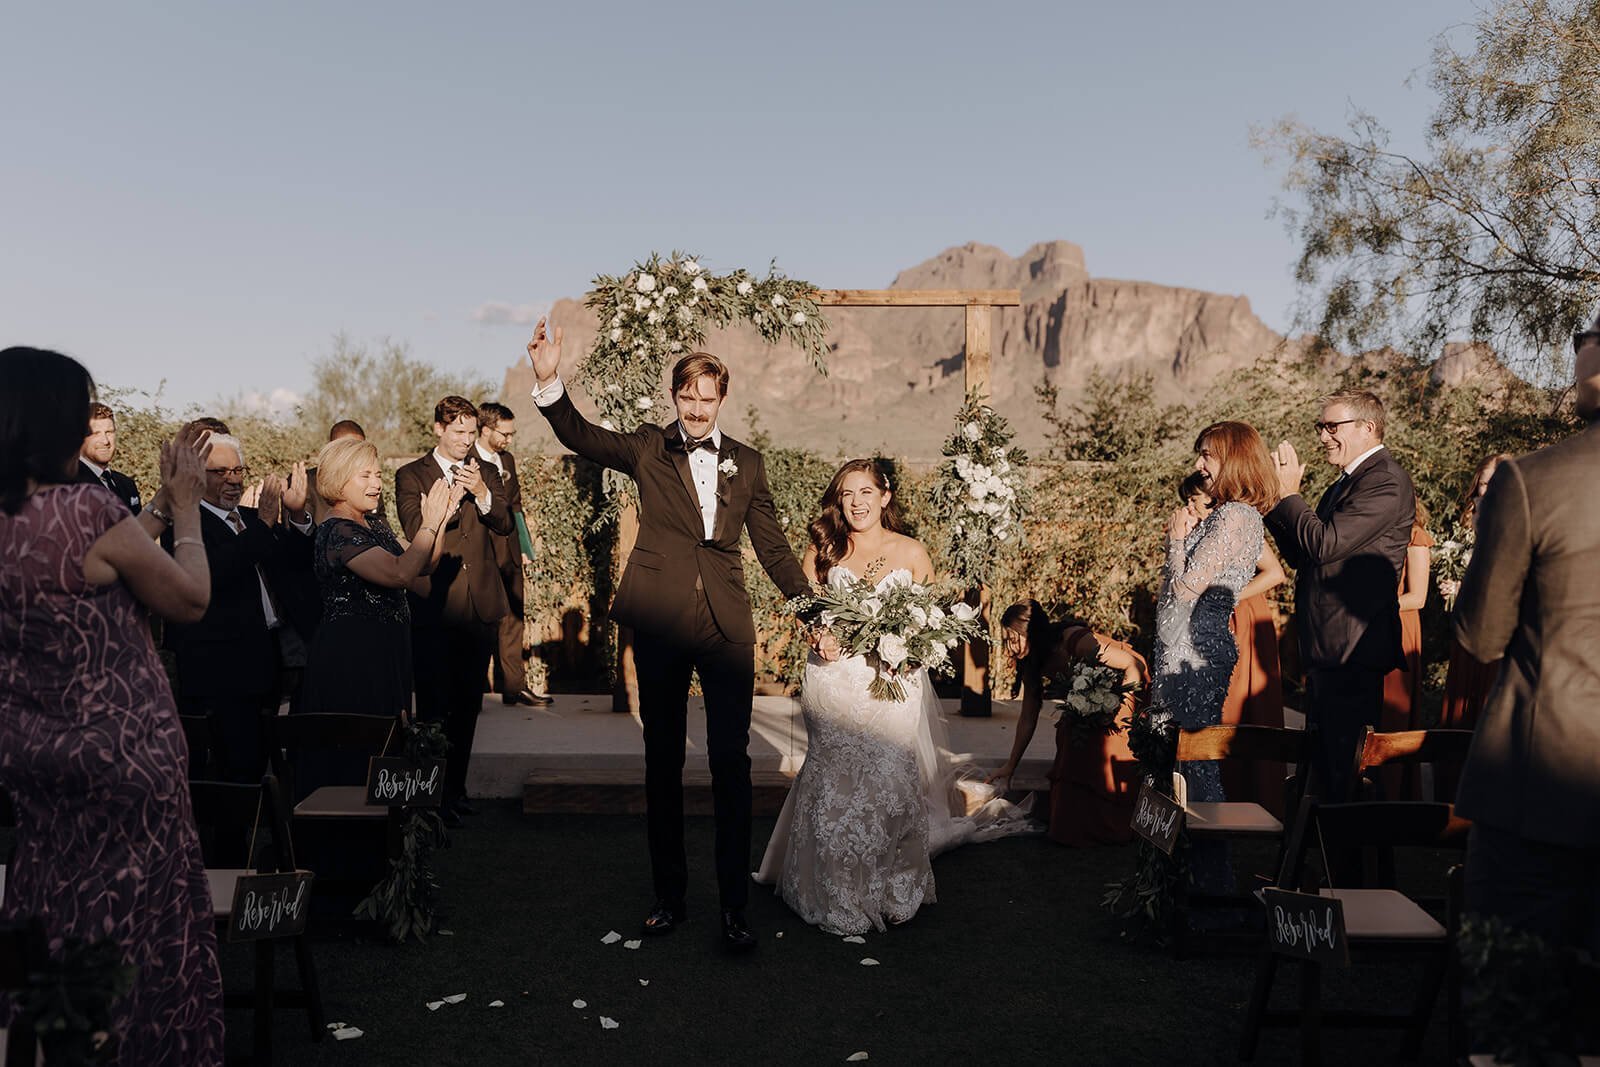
(338, 462)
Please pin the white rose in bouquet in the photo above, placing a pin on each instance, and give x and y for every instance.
(977, 490)
(647, 283)
(892, 650)
(963, 611)
(872, 605)
(744, 288)
(935, 615)
(691, 267)
(671, 290)
(972, 431)
(918, 616)
(699, 285)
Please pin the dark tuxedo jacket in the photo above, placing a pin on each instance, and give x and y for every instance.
(508, 547)
(1532, 596)
(122, 485)
(657, 592)
(230, 650)
(1347, 556)
(465, 587)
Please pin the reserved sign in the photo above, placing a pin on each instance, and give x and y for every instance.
(403, 783)
(1157, 818)
(270, 905)
(1307, 926)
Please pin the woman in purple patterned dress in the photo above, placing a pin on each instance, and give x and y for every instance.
(91, 750)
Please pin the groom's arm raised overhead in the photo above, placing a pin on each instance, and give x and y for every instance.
(607, 447)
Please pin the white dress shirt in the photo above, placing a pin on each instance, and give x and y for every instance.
(1350, 469)
(445, 463)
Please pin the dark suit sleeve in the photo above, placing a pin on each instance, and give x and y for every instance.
(408, 490)
(619, 451)
(1363, 516)
(766, 536)
(498, 517)
(232, 556)
(1491, 590)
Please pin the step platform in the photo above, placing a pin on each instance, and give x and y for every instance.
(578, 756)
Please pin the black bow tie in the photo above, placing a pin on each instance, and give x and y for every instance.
(688, 446)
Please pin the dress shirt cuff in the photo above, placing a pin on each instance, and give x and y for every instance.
(483, 502)
(544, 397)
(304, 527)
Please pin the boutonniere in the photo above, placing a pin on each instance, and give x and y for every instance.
(728, 467)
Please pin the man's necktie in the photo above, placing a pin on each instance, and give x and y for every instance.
(105, 480)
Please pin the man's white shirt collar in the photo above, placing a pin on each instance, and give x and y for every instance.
(716, 434)
(489, 456)
(99, 471)
(218, 512)
(1350, 470)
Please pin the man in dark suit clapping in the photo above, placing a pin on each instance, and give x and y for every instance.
(455, 611)
(1347, 555)
(1531, 599)
(94, 458)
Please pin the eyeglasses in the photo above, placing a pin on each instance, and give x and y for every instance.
(1331, 428)
(1584, 337)
(229, 472)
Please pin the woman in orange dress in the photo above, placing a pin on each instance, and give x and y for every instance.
(1402, 689)
(1467, 682)
(1255, 692)
(1092, 786)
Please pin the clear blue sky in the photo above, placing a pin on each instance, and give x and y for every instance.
(206, 193)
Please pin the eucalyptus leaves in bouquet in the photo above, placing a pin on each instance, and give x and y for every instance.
(1450, 559)
(980, 493)
(1090, 695)
(896, 627)
(661, 310)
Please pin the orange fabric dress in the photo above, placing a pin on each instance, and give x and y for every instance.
(1402, 690)
(1093, 783)
(1466, 687)
(1255, 698)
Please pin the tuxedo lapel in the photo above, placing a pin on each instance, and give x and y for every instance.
(730, 451)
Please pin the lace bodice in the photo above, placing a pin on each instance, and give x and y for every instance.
(344, 592)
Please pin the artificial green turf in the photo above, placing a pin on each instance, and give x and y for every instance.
(1015, 964)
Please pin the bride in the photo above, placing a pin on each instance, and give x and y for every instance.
(873, 801)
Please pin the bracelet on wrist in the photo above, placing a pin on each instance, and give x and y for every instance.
(158, 513)
(187, 541)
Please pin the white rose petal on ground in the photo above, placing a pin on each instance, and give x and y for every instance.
(608, 1023)
(580, 1004)
(345, 1033)
(779, 933)
(611, 938)
(869, 962)
(447, 933)
(455, 998)
(856, 1057)
(497, 1003)
(435, 1005)
(632, 944)
(854, 940)
(644, 981)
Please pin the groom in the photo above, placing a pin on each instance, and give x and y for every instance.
(683, 593)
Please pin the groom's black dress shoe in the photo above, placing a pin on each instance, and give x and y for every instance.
(736, 936)
(528, 697)
(663, 917)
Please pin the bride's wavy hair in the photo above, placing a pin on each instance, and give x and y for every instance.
(830, 531)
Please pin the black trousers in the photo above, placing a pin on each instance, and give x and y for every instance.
(1344, 701)
(449, 664)
(727, 678)
(236, 715)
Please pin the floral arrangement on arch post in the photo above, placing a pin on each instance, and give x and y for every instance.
(980, 492)
(662, 309)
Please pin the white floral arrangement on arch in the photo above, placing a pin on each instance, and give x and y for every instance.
(663, 307)
(980, 493)
(897, 627)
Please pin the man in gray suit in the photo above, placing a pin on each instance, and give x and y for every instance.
(1531, 598)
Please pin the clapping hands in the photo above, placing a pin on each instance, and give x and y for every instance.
(1291, 472)
(183, 467)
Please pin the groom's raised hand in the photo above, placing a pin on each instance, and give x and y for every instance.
(544, 352)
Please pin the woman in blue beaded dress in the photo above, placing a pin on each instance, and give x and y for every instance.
(1208, 561)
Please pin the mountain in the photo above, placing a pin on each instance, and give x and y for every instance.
(895, 375)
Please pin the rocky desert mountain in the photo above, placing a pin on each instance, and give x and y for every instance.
(895, 375)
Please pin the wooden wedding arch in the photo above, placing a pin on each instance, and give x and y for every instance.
(977, 364)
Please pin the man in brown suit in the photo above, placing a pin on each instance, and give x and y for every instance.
(455, 611)
(683, 593)
(1531, 598)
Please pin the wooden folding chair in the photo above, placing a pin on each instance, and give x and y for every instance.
(1408, 749)
(1377, 921)
(224, 812)
(1232, 819)
(22, 946)
(351, 840)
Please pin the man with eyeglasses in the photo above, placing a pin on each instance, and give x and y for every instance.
(497, 429)
(1531, 599)
(1347, 553)
(230, 663)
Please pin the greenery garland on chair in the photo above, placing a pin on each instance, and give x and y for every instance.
(662, 309)
(1146, 901)
(68, 1001)
(405, 899)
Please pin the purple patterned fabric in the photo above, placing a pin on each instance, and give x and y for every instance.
(93, 755)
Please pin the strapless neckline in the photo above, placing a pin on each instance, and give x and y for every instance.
(906, 571)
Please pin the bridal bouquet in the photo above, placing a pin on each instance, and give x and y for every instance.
(1450, 559)
(1089, 696)
(896, 627)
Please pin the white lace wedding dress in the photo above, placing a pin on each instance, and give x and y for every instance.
(874, 800)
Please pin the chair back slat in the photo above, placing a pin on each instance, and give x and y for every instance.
(1245, 742)
(1413, 746)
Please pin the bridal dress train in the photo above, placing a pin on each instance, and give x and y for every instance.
(877, 798)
